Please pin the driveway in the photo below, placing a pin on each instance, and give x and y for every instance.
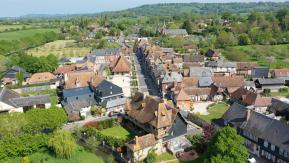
(201, 107)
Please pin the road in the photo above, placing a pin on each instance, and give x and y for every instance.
(152, 88)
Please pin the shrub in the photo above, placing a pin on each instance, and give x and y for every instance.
(151, 158)
(285, 89)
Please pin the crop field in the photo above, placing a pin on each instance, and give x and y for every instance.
(60, 48)
(15, 35)
(273, 56)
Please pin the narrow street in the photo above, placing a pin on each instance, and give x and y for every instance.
(152, 88)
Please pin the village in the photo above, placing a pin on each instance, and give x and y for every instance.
(160, 96)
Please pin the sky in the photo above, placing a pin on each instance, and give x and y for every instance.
(15, 8)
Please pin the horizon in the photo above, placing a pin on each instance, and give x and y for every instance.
(74, 7)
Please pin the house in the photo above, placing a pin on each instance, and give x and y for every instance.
(5, 104)
(213, 54)
(270, 83)
(81, 79)
(281, 74)
(102, 56)
(279, 108)
(110, 96)
(251, 98)
(245, 68)
(39, 78)
(27, 103)
(10, 76)
(11, 101)
(175, 32)
(63, 69)
(260, 72)
(222, 67)
(200, 72)
(171, 80)
(187, 96)
(120, 65)
(264, 136)
(178, 61)
(156, 117)
(194, 58)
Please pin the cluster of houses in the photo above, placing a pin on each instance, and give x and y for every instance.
(187, 79)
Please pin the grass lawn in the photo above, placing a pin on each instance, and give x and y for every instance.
(60, 48)
(117, 131)
(281, 94)
(80, 156)
(259, 54)
(23, 33)
(216, 111)
(166, 156)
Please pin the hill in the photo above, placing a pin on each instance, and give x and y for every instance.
(173, 9)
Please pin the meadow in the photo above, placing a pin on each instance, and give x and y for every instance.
(273, 56)
(16, 35)
(60, 48)
(4, 28)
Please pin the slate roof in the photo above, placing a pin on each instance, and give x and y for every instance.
(271, 81)
(205, 81)
(279, 106)
(172, 77)
(108, 89)
(104, 52)
(77, 105)
(194, 58)
(200, 72)
(175, 32)
(274, 131)
(116, 102)
(6, 94)
(31, 100)
(221, 64)
(260, 72)
(212, 53)
(11, 73)
(76, 91)
(236, 114)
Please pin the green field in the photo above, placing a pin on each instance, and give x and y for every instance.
(60, 48)
(273, 56)
(14, 27)
(216, 111)
(80, 156)
(167, 156)
(23, 33)
(117, 131)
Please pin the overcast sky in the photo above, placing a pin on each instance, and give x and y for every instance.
(13, 8)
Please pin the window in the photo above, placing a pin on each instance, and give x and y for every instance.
(76, 98)
(272, 147)
(266, 144)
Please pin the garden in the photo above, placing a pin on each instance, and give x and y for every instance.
(216, 111)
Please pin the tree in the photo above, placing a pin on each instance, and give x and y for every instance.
(226, 39)
(151, 157)
(226, 146)
(244, 39)
(11, 124)
(62, 143)
(188, 26)
(19, 78)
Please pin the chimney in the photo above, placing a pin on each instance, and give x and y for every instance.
(248, 114)
(77, 82)
(136, 142)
